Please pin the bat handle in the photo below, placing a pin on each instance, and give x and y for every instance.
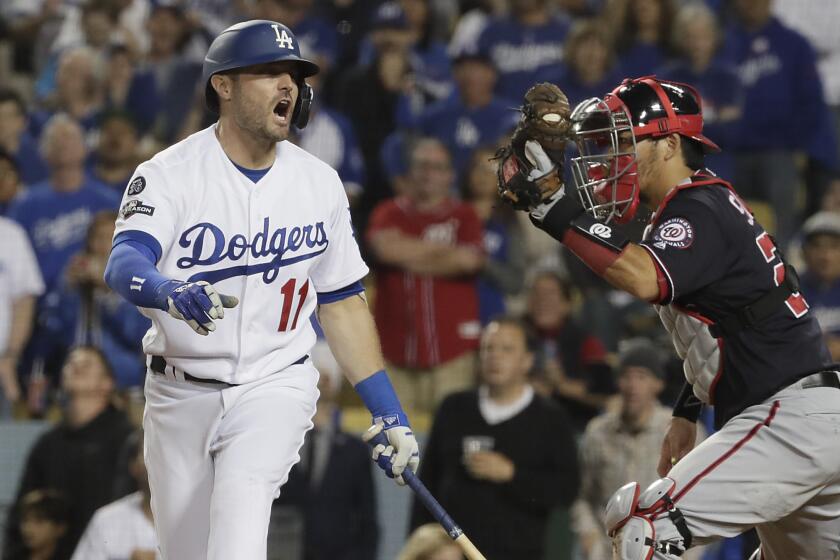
(442, 517)
(432, 504)
(429, 501)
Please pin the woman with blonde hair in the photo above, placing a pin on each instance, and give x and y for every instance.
(696, 38)
(430, 542)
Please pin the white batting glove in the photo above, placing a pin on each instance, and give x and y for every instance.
(198, 304)
(402, 450)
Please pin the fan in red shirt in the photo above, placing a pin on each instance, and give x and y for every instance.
(428, 247)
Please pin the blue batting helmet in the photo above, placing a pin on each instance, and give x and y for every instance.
(256, 42)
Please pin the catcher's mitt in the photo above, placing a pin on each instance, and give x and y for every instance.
(530, 167)
(545, 117)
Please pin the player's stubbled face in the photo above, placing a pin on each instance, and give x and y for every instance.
(263, 99)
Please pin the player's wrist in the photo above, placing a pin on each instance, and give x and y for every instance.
(381, 400)
(556, 213)
(597, 244)
(688, 406)
(162, 292)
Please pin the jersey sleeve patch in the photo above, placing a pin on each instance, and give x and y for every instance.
(135, 207)
(136, 185)
(674, 232)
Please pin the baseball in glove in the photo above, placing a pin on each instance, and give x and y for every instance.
(530, 166)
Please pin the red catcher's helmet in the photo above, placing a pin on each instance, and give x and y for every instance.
(605, 175)
(658, 108)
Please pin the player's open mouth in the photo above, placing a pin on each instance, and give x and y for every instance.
(282, 110)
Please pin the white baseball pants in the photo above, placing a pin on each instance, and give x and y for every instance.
(776, 467)
(217, 456)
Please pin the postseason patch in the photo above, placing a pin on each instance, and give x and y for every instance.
(136, 185)
(135, 207)
(673, 232)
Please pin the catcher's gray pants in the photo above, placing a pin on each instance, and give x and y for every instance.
(776, 467)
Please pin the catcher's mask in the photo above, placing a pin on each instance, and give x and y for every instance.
(606, 131)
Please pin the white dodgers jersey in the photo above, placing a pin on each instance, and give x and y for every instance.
(273, 244)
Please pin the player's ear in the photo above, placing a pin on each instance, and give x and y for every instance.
(222, 85)
(672, 146)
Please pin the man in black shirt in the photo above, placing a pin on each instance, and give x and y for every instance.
(79, 457)
(750, 347)
(500, 458)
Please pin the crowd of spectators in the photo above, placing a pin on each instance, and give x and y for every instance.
(486, 324)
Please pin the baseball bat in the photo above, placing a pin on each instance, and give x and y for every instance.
(429, 501)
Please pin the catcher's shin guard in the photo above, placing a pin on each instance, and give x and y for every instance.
(644, 523)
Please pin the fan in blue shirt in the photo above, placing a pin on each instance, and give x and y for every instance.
(317, 38)
(821, 282)
(783, 93)
(56, 213)
(431, 73)
(521, 47)
(117, 151)
(698, 39)
(473, 116)
(783, 105)
(82, 310)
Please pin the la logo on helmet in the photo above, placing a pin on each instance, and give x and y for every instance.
(283, 39)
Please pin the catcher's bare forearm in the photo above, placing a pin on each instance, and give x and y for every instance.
(635, 273)
(603, 248)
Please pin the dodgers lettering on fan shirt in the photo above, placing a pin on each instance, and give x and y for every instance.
(274, 244)
(521, 52)
(57, 222)
(782, 89)
(716, 259)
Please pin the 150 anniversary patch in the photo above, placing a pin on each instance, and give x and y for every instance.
(136, 185)
(135, 207)
(674, 232)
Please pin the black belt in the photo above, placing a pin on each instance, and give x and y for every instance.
(158, 365)
(821, 379)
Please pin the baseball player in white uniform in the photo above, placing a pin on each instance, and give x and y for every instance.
(229, 241)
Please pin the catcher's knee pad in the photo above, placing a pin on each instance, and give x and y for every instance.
(641, 523)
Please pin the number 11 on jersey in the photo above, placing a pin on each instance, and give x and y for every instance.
(288, 291)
